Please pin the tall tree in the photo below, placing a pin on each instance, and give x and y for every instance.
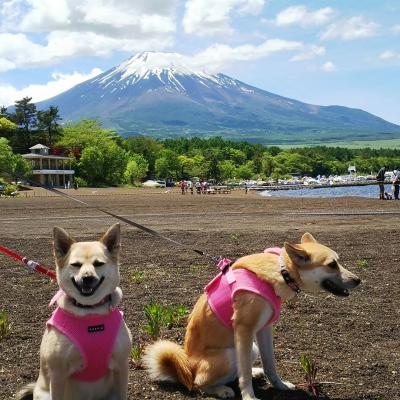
(48, 121)
(25, 117)
(3, 112)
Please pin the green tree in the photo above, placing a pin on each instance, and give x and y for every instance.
(8, 130)
(48, 122)
(3, 112)
(25, 117)
(11, 162)
(103, 164)
(245, 171)
(168, 165)
(136, 168)
(148, 147)
(227, 169)
(85, 133)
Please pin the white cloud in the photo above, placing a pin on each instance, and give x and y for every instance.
(309, 53)
(220, 55)
(329, 66)
(300, 15)
(211, 17)
(68, 28)
(353, 28)
(59, 83)
(395, 29)
(18, 51)
(389, 55)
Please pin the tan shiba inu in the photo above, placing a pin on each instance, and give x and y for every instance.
(215, 354)
(85, 349)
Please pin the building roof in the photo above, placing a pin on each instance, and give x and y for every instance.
(32, 156)
(39, 146)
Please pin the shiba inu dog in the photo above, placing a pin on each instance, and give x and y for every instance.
(217, 350)
(85, 349)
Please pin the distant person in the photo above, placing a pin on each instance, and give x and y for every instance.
(190, 186)
(182, 185)
(245, 188)
(76, 185)
(380, 178)
(198, 187)
(395, 178)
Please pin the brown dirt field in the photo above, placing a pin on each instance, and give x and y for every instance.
(355, 340)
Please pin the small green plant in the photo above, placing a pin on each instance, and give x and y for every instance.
(234, 238)
(175, 315)
(5, 326)
(362, 263)
(154, 314)
(137, 353)
(138, 277)
(159, 317)
(310, 368)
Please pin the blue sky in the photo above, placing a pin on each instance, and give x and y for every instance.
(344, 52)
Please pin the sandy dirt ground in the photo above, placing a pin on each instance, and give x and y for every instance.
(355, 340)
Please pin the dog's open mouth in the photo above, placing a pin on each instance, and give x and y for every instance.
(334, 288)
(87, 290)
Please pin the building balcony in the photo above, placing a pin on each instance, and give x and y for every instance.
(53, 172)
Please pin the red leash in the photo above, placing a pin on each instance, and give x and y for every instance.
(33, 265)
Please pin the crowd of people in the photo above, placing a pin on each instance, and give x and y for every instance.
(189, 186)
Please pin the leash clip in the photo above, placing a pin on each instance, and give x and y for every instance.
(31, 264)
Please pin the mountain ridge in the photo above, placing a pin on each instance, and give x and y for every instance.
(166, 95)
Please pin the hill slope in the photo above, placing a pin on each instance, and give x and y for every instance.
(162, 95)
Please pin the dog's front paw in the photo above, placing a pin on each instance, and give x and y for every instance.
(284, 385)
(257, 373)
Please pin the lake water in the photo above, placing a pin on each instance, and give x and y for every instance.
(371, 191)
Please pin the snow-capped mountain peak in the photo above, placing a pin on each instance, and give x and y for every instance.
(167, 67)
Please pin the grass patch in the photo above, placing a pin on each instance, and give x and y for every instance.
(161, 317)
(138, 277)
(234, 239)
(5, 326)
(137, 353)
(362, 263)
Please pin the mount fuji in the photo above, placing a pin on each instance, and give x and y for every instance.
(165, 95)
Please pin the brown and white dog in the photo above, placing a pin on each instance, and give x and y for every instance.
(214, 355)
(88, 276)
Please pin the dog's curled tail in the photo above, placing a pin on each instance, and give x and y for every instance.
(167, 361)
(26, 393)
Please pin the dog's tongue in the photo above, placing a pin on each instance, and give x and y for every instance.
(56, 297)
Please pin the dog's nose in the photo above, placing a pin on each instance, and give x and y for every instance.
(89, 281)
(357, 281)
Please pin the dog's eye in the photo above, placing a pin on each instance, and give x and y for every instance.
(76, 264)
(333, 264)
(98, 263)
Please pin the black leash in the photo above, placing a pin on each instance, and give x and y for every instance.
(127, 221)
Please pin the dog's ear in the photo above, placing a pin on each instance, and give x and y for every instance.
(62, 242)
(112, 239)
(308, 238)
(297, 254)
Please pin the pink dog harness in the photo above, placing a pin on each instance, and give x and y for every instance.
(222, 289)
(93, 335)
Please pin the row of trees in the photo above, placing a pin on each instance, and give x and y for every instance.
(26, 125)
(102, 157)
